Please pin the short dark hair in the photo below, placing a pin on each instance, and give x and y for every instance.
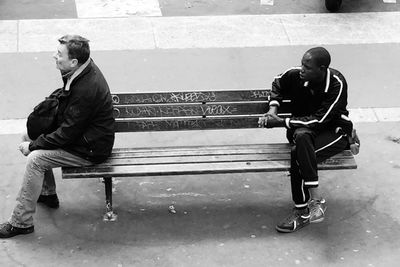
(78, 47)
(320, 56)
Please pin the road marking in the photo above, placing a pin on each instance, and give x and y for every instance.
(388, 114)
(117, 8)
(266, 2)
(205, 31)
(389, 1)
(8, 31)
(357, 115)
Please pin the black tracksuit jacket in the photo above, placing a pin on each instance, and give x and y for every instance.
(316, 106)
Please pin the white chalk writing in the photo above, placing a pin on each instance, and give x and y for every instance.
(259, 94)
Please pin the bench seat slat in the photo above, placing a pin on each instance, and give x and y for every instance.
(265, 146)
(195, 168)
(205, 152)
(197, 152)
(194, 159)
(200, 158)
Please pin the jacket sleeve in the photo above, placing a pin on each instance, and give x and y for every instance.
(334, 101)
(280, 87)
(76, 117)
(279, 84)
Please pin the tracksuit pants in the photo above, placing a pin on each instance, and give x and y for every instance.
(308, 149)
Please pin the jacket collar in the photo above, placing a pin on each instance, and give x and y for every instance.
(327, 81)
(76, 74)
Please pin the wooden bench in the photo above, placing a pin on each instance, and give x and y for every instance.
(174, 111)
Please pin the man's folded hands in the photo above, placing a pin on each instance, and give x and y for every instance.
(271, 121)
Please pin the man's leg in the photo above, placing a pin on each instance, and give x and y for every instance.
(309, 149)
(49, 184)
(48, 196)
(302, 141)
(327, 144)
(39, 162)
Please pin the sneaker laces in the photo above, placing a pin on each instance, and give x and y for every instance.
(316, 205)
(295, 213)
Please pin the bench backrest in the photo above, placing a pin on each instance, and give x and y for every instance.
(166, 111)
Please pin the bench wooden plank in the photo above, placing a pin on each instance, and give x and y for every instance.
(196, 109)
(190, 96)
(199, 150)
(190, 123)
(207, 151)
(193, 159)
(195, 168)
(199, 158)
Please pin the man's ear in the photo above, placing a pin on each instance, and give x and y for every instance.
(74, 63)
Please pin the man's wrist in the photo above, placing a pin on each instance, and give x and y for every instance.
(273, 110)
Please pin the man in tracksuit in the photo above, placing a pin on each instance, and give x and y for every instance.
(317, 129)
(84, 133)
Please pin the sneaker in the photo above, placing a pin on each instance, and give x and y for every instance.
(317, 210)
(296, 220)
(50, 201)
(7, 230)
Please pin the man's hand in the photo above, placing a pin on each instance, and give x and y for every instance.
(24, 148)
(271, 121)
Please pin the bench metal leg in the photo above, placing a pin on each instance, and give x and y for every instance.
(109, 216)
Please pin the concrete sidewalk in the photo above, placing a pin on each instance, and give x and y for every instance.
(221, 220)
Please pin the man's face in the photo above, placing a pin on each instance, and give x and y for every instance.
(309, 69)
(63, 62)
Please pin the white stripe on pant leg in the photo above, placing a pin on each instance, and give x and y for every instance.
(328, 145)
(311, 183)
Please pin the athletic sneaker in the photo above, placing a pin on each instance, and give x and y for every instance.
(296, 220)
(317, 210)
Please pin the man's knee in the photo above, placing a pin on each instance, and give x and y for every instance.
(36, 159)
(303, 136)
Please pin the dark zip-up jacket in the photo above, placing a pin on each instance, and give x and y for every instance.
(85, 123)
(316, 106)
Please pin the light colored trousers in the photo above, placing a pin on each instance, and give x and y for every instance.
(39, 179)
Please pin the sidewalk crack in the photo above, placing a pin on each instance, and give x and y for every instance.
(154, 33)
(286, 33)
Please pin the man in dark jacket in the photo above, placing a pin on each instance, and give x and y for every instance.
(317, 130)
(84, 133)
